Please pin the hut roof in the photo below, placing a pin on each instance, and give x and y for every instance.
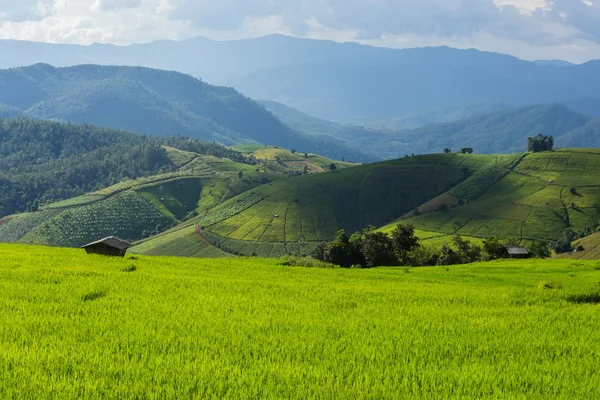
(517, 251)
(112, 242)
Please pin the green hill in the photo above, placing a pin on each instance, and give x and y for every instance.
(47, 161)
(521, 196)
(542, 196)
(152, 102)
(139, 208)
(291, 215)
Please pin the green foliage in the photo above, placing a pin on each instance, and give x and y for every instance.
(539, 143)
(540, 249)
(494, 248)
(404, 241)
(564, 243)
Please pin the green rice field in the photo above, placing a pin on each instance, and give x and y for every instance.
(78, 326)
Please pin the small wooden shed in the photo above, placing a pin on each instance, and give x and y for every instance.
(517, 252)
(110, 246)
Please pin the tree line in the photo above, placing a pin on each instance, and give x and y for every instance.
(370, 248)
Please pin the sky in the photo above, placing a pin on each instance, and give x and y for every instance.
(529, 29)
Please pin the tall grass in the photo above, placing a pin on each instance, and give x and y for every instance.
(250, 328)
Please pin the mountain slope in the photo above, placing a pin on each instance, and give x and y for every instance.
(153, 102)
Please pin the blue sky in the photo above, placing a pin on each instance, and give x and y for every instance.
(530, 29)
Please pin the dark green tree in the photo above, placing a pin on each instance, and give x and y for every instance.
(404, 241)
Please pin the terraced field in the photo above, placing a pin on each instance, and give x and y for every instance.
(297, 213)
(544, 194)
(521, 196)
(293, 160)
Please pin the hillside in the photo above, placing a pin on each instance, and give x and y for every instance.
(544, 194)
(521, 196)
(197, 181)
(339, 81)
(153, 102)
(291, 215)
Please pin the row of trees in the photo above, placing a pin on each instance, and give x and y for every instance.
(368, 249)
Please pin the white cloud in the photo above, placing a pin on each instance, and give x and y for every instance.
(562, 28)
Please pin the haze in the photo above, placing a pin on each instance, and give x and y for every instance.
(529, 29)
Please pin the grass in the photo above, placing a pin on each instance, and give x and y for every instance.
(77, 326)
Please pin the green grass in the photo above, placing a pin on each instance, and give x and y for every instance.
(77, 326)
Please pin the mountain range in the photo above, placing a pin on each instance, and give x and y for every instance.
(153, 102)
(503, 131)
(345, 82)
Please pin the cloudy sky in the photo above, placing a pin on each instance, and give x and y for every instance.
(530, 29)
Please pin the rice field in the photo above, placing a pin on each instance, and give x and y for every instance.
(77, 326)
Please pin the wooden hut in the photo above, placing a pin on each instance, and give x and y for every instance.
(110, 246)
(517, 252)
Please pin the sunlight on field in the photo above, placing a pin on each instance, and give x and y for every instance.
(74, 326)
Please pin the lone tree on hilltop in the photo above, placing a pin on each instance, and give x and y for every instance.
(447, 150)
(466, 150)
(332, 167)
(539, 143)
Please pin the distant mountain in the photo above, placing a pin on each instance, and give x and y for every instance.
(556, 63)
(345, 82)
(153, 102)
(499, 132)
(502, 132)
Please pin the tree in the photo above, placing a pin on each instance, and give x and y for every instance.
(404, 241)
(540, 249)
(377, 249)
(293, 151)
(332, 167)
(305, 155)
(447, 150)
(493, 248)
(240, 174)
(305, 169)
(339, 252)
(540, 143)
(564, 243)
(466, 150)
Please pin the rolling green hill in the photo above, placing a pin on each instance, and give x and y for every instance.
(521, 196)
(291, 215)
(136, 209)
(152, 102)
(542, 196)
(48, 161)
